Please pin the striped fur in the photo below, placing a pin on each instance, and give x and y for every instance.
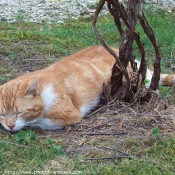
(60, 94)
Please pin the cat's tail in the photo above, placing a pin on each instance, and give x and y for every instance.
(167, 79)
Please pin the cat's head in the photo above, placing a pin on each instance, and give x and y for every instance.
(20, 105)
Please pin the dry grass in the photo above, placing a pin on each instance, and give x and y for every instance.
(112, 126)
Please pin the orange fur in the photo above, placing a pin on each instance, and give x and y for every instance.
(59, 95)
(77, 81)
(167, 79)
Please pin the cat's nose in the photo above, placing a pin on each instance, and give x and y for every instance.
(11, 126)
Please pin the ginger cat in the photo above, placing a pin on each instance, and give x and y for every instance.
(60, 94)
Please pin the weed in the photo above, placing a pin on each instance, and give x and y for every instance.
(12, 55)
(58, 150)
(24, 137)
(21, 15)
(50, 140)
(156, 132)
(95, 5)
(147, 82)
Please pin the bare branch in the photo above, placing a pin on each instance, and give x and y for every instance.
(118, 133)
(113, 157)
(116, 15)
(143, 65)
(148, 30)
(118, 64)
(116, 150)
(129, 17)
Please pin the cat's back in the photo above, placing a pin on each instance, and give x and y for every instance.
(76, 80)
(94, 59)
(88, 67)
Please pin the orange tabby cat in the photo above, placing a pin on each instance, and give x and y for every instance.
(60, 94)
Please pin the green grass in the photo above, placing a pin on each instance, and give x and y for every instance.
(30, 151)
(20, 151)
(155, 159)
(59, 40)
(163, 27)
(25, 151)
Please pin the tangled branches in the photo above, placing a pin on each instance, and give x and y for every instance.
(129, 17)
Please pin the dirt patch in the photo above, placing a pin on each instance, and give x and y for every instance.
(11, 68)
(99, 135)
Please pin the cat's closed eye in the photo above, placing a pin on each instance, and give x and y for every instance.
(2, 115)
(19, 114)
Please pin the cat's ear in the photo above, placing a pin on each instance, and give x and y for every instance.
(33, 88)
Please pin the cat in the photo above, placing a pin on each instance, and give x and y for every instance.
(60, 94)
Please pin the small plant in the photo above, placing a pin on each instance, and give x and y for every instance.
(50, 141)
(58, 150)
(94, 6)
(146, 82)
(27, 137)
(12, 55)
(21, 15)
(156, 132)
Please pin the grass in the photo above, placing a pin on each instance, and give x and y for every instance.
(161, 22)
(23, 148)
(28, 46)
(25, 151)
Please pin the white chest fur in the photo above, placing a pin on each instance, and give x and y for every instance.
(48, 96)
(47, 124)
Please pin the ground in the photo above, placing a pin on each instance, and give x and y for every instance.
(126, 138)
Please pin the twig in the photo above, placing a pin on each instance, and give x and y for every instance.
(148, 115)
(149, 32)
(113, 157)
(112, 149)
(26, 50)
(69, 129)
(94, 112)
(172, 55)
(129, 108)
(101, 108)
(170, 91)
(116, 133)
(116, 14)
(30, 59)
